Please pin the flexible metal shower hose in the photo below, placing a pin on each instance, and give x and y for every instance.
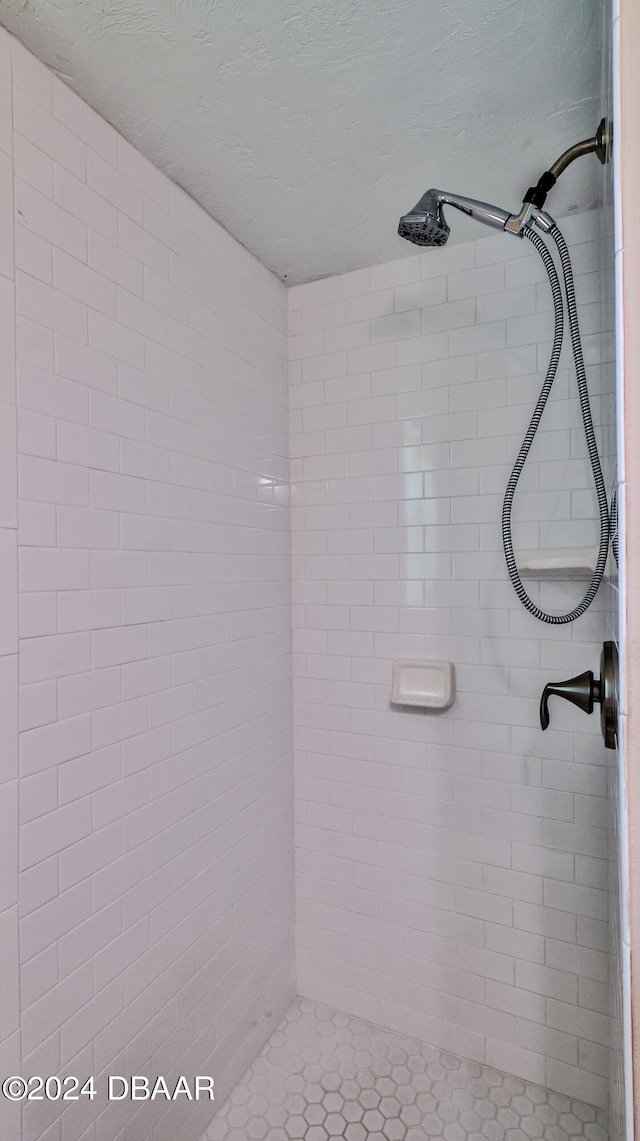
(585, 409)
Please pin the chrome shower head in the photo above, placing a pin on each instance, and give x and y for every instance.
(425, 225)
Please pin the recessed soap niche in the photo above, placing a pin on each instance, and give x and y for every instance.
(428, 685)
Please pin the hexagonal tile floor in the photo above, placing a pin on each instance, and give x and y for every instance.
(323, 1074)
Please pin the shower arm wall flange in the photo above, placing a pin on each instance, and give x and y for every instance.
(535, 198)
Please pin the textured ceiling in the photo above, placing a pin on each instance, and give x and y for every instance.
(308, 126)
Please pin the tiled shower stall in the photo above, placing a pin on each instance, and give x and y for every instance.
(453, 869)
(160, 522)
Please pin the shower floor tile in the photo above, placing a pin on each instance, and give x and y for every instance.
(324, 1074)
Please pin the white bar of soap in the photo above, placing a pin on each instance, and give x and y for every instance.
(427, 684)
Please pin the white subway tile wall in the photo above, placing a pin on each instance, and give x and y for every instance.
(10, 1049)
(150, 547)
(451, 868)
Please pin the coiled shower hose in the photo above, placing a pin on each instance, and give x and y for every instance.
(585, 409)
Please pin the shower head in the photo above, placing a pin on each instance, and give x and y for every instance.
(425, 225)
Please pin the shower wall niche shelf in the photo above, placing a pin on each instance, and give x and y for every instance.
(558, 563)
